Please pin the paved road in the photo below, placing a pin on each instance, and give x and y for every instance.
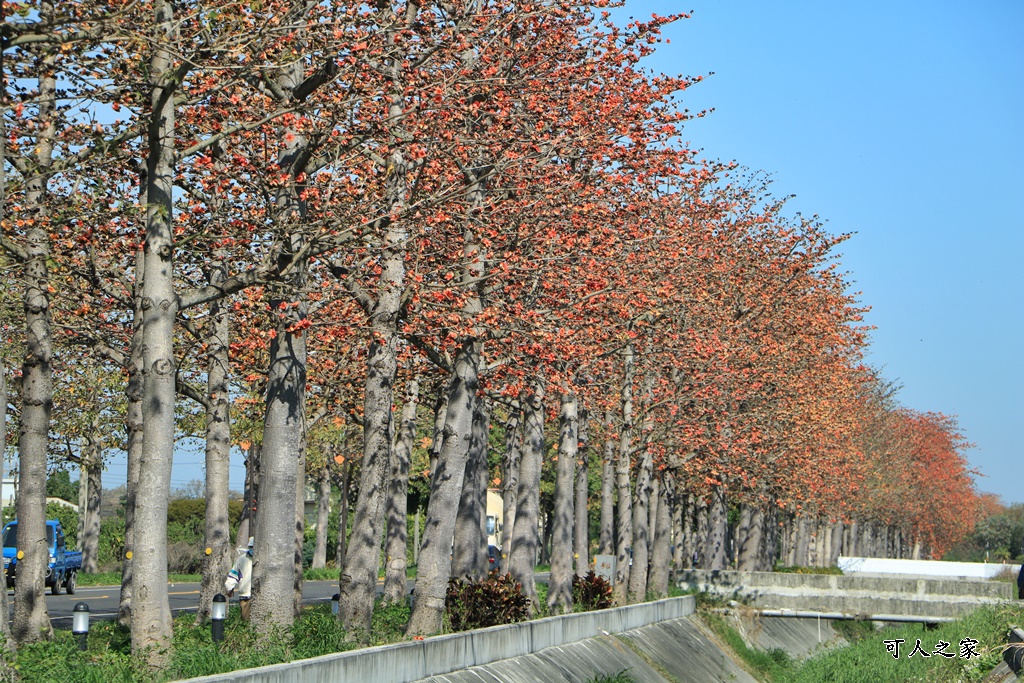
(183, 597)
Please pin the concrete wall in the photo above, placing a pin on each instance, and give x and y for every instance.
(886, 597)
(674, 651)
(878, 565)
(415, 660)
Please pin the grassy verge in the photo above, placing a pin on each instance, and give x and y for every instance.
(868, 659)
(109, 658)
(772, 665)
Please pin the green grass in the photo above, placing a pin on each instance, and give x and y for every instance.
(774, 665)
(866, 658)
(621, 677)
(108, 657)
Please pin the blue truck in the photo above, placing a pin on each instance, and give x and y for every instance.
(62, 570)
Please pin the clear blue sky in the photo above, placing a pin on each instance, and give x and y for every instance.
(900, 121)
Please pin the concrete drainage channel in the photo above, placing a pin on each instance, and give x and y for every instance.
(654, 641)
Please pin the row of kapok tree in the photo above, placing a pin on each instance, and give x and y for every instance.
(314, 205)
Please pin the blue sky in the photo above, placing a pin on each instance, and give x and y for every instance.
(900, 121)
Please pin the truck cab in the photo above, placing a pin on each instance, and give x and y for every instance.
(62, 568)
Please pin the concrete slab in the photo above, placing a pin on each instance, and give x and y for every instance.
(687, 652)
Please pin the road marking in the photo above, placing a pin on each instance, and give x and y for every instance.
(185, 593)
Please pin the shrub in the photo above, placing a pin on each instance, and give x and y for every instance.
(184, 558)
(488, 602)
(111, 549)
(68, 519)
(590, 592)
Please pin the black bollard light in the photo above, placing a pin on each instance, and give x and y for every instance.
(334, 603)
(218, 613)
(80, 624)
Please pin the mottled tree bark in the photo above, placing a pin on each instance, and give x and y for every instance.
(510, 464)
(273, 569)
(606, 544)
(6, 638)
(134, 429)
(690, 532)
(802, 541)
(398, 489)
(440, 414)
(560, 581)
(91, 480)
(470, 549)
(749, 550)
(581, 533)
(837, 544)
(701, 534)
(624, 509)
(217, 558)
(276, 573)
(31, 620)
(359, 576)
(323, 512)
(678, 532)
(641, 532)
(342, 544)
(150, 609)
(718, 529)
(445, 491)
(852, 539)
(661, 556)
(298, 546)
(526, 541)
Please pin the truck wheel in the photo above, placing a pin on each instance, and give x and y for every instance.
(72, 583)
(55, 588)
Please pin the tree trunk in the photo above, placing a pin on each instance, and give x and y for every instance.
(31, 620)
(342, 545)
(836, 548)
(802, 541)
(510, 465)
(398, 499)
(560, 581)
(359, 578)
(701, 535)
(581, 535)
(526, 541)
(749, 547)
(661, 556)
(770, 544)
(89, 541)
(151, 613)
(134, 429)
(323, 512)
(440, 414)
(469, 558)
(641, 532)
(6, 638)
(282, 456)
(690, 532)
(445, 490)
(624, 511)
(217, 558)
(852, 539)
(678, 531)
(606, 545)
(299, 544)
(247, 524)
(718, 530)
